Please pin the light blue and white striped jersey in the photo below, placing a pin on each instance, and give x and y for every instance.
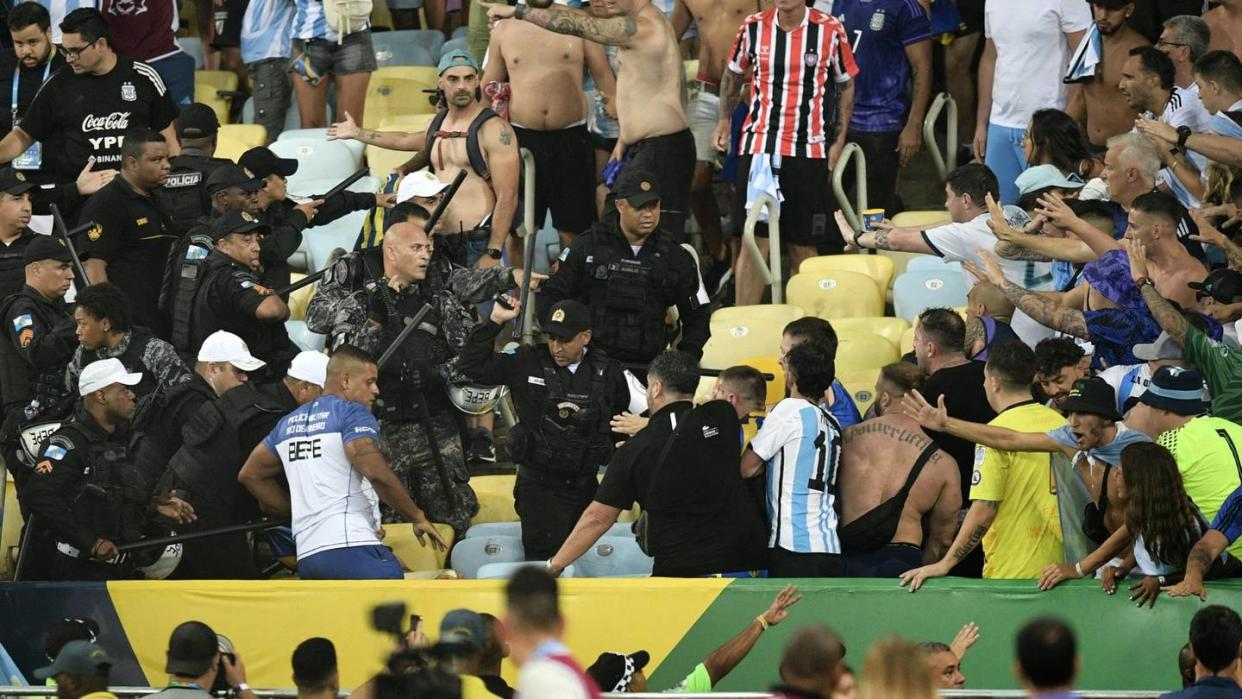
(311, 22)
(801, 445)
(267, 29)
(59, 8)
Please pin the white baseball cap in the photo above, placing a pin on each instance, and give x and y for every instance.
(102, 374)
(310, 366)
(419, 184)
(222, 346)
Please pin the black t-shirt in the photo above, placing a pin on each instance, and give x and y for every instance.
(701, 520)
(133, 235)
(13, 264)
(28, 84)
(92, 113)
(964, 399)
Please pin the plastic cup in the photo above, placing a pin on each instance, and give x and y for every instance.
(872, 218)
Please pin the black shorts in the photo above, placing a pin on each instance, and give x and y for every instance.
(564, 176)
(887, 562)
(883, 162)
(671, 159)
(787, 564)
(806, 212)
(972, 16)
(228, 28)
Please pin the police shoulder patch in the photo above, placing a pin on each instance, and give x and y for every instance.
(564, 254)
(44, 467)
(22, 322)
(55, 451)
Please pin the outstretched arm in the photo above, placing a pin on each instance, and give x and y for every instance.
(614, 31)
(936, 418)
(1040, 308)
(722, 660)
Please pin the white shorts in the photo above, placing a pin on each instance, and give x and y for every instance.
(703, 113)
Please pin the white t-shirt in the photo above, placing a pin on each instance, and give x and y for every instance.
(1184, 108)
(333, 505)
(801, 445)
(548, 674)
(1128, 382)
(1031, 54)
(962, 242)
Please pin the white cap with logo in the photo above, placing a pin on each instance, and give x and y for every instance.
(310, 366)
(222, 346)
(101, 374)
(421, 184)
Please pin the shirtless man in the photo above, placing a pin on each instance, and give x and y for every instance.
(1225, 21)
(547, 109)
(1107, 111)
(654, 132)
(717, 22)
(879, 459)
(484, 206)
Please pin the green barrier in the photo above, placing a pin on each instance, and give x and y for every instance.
(1122, 647)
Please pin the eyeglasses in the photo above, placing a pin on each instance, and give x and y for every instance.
(1162, 42)
(73, 54)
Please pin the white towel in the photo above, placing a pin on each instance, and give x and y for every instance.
(1086, 58)
(762, 180)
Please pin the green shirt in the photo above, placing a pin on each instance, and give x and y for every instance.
(697, 682)
(1221, 367)
(1208, 451)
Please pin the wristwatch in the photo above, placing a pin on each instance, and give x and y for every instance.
(1144, 281)
(494, 253)
(241, 688)
(1183, 132)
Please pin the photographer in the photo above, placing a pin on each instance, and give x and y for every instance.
(195, 665)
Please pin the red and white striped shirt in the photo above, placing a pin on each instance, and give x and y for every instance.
(792, 102)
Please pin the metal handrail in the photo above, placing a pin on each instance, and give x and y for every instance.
(947, 162)
(529, 234)
(770, 274)
(852, 214)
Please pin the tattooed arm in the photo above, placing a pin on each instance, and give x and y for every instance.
(614, 31)
(505, 165)
(1169, 318)
(1045, 311)
(1207, 550)
(1009, 251)
(976, 337)
(978, 520)
(903, 239)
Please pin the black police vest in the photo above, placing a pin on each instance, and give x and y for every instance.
(111, 498)
(23, 385)
(415, 362)
(628, 297)
(570, 438)
(183, 276)
(211, 453)
(13, 265)
(158, 437)
(186, 189)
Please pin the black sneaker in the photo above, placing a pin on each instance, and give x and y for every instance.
(482, 450)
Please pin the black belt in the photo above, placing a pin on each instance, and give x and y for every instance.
(704, 86)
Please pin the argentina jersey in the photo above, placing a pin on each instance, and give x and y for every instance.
(59, 8)
(801, 445)
(311, 21)
(267, 29)
(879, 32)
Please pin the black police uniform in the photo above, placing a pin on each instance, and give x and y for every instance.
(12, 265)
(161, 418)
(217, 439)
(628, 293)
(186, 187)
(562, 436)
(85, 488)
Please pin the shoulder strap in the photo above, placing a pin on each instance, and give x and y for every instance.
(432, 129)
(477, 162)
(917, 470)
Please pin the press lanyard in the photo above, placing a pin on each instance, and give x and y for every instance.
(47, 70)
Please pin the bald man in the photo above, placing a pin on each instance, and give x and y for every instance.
(988, 315)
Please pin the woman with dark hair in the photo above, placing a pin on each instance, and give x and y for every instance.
(1054, 138)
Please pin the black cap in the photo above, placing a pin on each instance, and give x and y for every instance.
(45, 247)
(637, 186)
(1224, 285)
(261, 162)
(1092, 396)
(567, 319)
(613, 672)
(197, 121)
(236, 221)
(1177, 390)
(14, 182)
(191, 649)
(231, 175)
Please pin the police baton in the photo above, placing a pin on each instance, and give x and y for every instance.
(443, 203)
(405, 332)
(204, 534)
(344, 184)
(58, 226)
(701, 370)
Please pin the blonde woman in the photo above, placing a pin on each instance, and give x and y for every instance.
(895, 667)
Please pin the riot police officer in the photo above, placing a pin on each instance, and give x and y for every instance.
(303, 381)
(628, 271)
(564, 396)
(185, 191)
(85, 491)
(230, 296)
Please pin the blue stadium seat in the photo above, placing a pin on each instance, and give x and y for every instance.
(471, 554)
(398, 43)
(918, 290)
(319, 242)
(494, 529)
(461, 32)
(303, 337)
(406, 54)
(292, 132)
(614, 556)
(317, 159)
(933, 263)
(504, 571)
(622, 529)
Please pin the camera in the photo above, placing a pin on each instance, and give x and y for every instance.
(411, 671)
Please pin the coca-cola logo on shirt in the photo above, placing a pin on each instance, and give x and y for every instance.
(116, 121)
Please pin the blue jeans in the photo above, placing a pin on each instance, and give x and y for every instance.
(177, 71)
(351, 563)
(1006, 159)
(474, 250)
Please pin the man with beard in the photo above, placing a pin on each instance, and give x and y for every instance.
(1108, 114)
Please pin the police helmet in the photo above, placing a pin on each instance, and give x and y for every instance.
(164, 563)
(473, 399)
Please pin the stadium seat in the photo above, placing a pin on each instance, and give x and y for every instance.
(224, 80)
(864, 351)
(403, 54)
(12, 529)
(614, 556)
(504, 571)
(781, 311)
(703, 393)
(205, 94)
(317, 159)
(691, 69)
(208, 84)
(861, 385)
(907, 342)
(300, 299)
(769, 365)
(355, 147)
(193, 46)
(920, 219)
(622, 529)
(835, 294)
(754, 332)
(924, 263)
(429, 39)
(293, 119)
(915, 291)
(494, 529)
(382, 161)
(471, 554)
(235, 139)
(460, 32)
(414, 556)
(875, 266)
(412, 123)
(495, 507)
(453, 44)
(887, 327)
(303, 337)
(901, 261)
(398, 91)
(501, 484)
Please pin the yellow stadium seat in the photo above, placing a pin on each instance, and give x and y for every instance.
(836, 294)
(776, 384)
(691, 68)
(752, 334)
(920, 219)
(495, 507)
(702, 394)
(878, 268)
(225, 80)
(864, 351)
(415, 557)
(207, 86)
(235, 139)
(907, 342)
(888, 328)
(494, 484)
(398, 91)
(207, 95)
(861, 385)
(300, 299)
(382, 161)
(631, 514)
(406, 122)
(12, 527)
